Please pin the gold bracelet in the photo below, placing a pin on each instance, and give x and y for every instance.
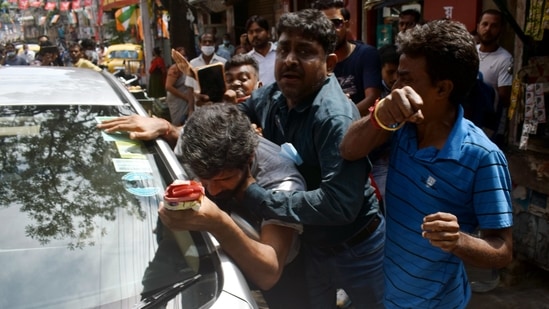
(392, 127)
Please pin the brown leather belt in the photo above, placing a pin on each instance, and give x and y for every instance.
(364, 234)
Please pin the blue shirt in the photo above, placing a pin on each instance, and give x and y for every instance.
(225, 51)
(340, 200)
(361, 70)
(469, 178)
(16, 60)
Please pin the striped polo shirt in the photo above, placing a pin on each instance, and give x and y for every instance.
(469, 178)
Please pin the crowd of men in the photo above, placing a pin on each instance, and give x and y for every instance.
(290, 149)
(81, 54)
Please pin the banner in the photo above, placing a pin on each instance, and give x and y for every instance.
(123, 17)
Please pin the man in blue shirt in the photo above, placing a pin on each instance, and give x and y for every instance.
(226, 49)
(307, 113)
(445, 179)
(11, 57)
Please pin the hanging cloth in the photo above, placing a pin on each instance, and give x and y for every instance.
(534, 21)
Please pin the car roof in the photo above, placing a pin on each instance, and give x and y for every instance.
(20, 83)
(124, 47)
(32, 46)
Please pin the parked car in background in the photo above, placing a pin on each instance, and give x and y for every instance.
(79, 206)
(33, 51)
(34, 47)
(128, 57)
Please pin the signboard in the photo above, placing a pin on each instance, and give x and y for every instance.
(466, 12)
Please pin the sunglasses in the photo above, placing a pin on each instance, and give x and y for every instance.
(338, 23)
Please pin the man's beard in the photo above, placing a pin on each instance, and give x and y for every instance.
(260, 43)
(488, 40)
(230, 194)
(340, 43)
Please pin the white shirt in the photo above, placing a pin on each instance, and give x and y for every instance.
(266, 64)
(495, 67)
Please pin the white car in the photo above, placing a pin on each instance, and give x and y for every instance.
(79, 207)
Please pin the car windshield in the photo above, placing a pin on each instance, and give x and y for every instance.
(79, 209)
(124, 54)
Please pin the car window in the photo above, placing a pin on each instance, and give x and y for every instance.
(80, 214)
(125, 54)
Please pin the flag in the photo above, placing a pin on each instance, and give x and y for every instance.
(123, 17)
(75, 4)
(50, 6)
(23, 4)
(36, 3)
(64, 5)
(54, 19)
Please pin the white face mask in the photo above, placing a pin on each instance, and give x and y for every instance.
(207, 50)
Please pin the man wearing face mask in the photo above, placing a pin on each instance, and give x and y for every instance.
(206, 57)
(11, 57)
(226, 49)
(207, 49)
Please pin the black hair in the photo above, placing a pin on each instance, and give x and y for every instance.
(72, 45)
(215, 138)
(328, 4)
(47, 47)
(493, 12)
(312, 24)
(388, 54)
(411, 12)
(259, 20)
(87, 44)
(240, 60)
(450, 53)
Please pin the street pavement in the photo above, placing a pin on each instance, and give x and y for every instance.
(522, 286)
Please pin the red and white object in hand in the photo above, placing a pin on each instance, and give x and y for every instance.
(183, 194)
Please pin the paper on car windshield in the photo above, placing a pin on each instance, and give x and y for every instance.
(130, 150)
(132, 165)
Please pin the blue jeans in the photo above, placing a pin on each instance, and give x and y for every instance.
(357, 270)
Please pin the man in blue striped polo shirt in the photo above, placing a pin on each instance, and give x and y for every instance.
(446, 178)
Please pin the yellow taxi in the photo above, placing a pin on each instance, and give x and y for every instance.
(128, 57)
(34, 49)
